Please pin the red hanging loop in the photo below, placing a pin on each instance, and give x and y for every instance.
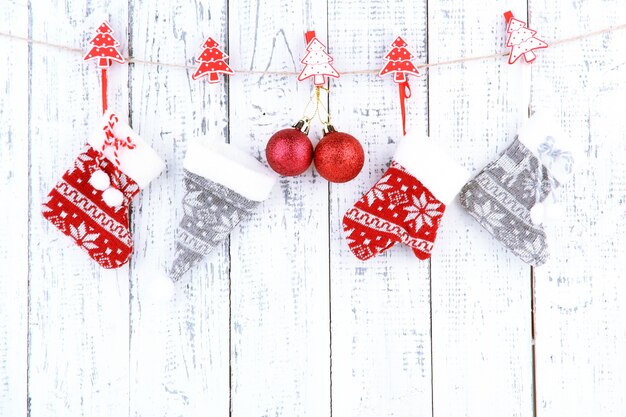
(104, 91)
(405, 93)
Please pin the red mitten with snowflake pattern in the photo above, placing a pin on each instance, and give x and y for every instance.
(90, 203)
(407, 203)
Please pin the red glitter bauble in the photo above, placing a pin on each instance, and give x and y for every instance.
(339, 157)
(289, 152)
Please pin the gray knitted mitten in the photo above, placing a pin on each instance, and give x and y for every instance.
(223, 186)
(506, 196)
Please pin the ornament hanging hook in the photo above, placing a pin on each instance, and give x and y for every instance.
(319, 105)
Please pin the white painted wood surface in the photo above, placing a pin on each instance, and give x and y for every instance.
(580, 293)
(282, 320)
(481, 293)
(280, 339)
(380, 310)
(179, 351)
(14, 132)
(78, 313)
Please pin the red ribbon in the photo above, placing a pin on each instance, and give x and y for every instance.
(111, 140)
(405, 93)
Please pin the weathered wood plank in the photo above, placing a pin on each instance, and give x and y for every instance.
(380, 308)
(78, 319)
(14, 209)
(381, 348)
(279, 258)
(580, 330)
(481, 299)
(180, 348)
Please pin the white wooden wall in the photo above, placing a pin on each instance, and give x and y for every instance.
(282, 320)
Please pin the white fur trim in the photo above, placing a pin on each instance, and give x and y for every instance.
(142, 163)
(230, 167)
(432, 166)
(540, 132)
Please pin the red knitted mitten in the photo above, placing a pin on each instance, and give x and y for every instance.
(402, 208)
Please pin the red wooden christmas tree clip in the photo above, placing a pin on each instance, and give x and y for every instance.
(104, 49)
(522, 40)
(317, 62)
(212, 62)
(399, 63)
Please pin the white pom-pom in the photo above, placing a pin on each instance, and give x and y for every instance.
(100, 180)
(160, 288)
(537, 213)
(113, 197)
(554, 211)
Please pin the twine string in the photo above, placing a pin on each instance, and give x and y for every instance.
(135, 60)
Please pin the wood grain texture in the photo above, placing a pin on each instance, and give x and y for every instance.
(179, 354)
(279, 257)
(282, 320)
(14, 207)
(78, 320)
(580, 292)
(481, 318)
(380, 309)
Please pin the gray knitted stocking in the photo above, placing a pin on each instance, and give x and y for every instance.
(502, 195)
(212, 211)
